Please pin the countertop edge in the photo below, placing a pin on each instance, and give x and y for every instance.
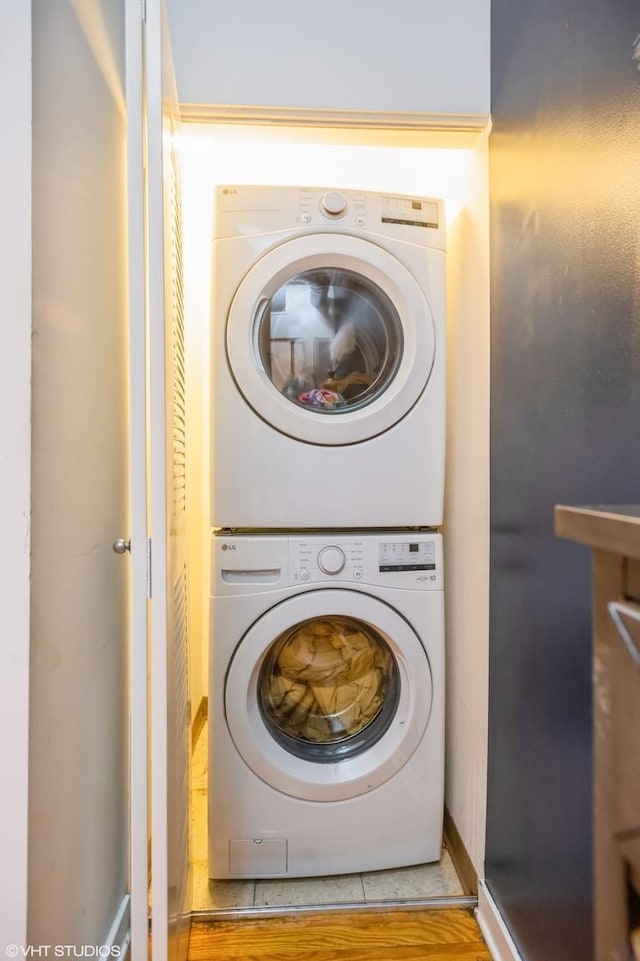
(599, 528)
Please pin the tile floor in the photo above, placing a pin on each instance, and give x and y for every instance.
(413, 883)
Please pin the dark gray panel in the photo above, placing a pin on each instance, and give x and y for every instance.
(565, 427)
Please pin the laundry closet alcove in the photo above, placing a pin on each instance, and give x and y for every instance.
(441, 153)
(446, 164)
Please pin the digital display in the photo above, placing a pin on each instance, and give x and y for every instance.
(403, 556)
(413, 213)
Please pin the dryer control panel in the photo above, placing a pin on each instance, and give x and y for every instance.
(379, 212)
(243, 210)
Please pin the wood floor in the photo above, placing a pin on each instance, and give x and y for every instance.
(361, 936)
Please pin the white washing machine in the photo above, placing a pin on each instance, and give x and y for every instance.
(328, 359)
(326, 703)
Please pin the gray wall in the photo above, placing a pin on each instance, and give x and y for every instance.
(414, 55)
(565, 428)
(78, 714)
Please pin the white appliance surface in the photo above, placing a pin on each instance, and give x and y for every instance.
(326, 703)
(328, 359)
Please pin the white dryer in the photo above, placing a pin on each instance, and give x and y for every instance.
(326, 703)
(328, 359)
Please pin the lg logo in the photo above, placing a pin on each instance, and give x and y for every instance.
(229, 547)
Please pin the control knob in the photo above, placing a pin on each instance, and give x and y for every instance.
(333, 204)
(331, 560)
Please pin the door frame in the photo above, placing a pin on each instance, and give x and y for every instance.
(139, 834)
(15, 393)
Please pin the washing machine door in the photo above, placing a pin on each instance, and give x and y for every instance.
(328, 695)
(330, 339)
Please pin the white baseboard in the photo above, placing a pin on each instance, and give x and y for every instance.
(120, 934)
(494, 930)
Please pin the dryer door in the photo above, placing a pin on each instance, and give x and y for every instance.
(328, 695)
(330, 339)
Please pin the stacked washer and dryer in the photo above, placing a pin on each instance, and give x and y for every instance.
(326, 684)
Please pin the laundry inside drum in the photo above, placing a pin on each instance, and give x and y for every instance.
(328, 688)
(330, 340)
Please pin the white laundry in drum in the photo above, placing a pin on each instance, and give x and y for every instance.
(326, 703)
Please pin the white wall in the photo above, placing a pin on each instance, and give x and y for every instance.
(467, 509)
(450, 166)
(426, 56)
(78, 804)
(15, 506)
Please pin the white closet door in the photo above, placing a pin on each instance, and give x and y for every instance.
(159, 682)
(170, 712)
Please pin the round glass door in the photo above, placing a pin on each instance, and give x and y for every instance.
(328, 694)
(330, 339)
(328, 688)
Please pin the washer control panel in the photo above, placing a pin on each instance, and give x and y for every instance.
(397, 559)
(249, 563)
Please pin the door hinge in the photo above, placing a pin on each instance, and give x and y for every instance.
(148, 567)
